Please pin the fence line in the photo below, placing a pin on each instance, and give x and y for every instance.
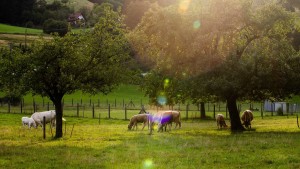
(123, 109)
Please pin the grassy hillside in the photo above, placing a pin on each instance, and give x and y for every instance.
(18, 30)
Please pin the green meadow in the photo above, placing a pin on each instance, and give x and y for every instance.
(103, 142)
(8, 29)
(273, 142)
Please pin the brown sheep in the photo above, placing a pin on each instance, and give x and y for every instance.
(247, 117)
(139, 118)
(167, 118)
(221, 121)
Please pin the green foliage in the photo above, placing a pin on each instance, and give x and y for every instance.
(94, 62)
(162, 90)
(53, 26)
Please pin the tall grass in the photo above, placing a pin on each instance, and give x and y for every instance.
(273, 142)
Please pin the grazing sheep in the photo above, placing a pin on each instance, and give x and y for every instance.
(28, 121)
(221, 121)
(167, 118)
(247, 117)
(139, 118)
(50, 116)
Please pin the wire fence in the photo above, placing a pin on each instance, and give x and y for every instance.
(124, 109)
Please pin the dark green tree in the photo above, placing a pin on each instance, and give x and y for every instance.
(93, 62)
(236, 50)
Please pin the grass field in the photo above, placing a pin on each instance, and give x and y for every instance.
(273, 142)
(20, 35)
(8, 29)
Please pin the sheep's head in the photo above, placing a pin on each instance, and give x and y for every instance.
(223, 124)
(129, 126)
(247, 123)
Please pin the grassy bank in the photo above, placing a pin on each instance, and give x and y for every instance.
(8, 29)
(273, 142)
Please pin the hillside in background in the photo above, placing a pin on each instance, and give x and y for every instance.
(78, 4)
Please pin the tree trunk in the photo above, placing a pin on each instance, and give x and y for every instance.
(59, 115)
(202, 110)
(235, 121)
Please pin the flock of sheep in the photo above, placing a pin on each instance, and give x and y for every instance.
(37, 119)
(246, 118)
(162, 119)
(166, 118)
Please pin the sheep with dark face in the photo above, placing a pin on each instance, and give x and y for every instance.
(247, 117)
(221, 121)
(139, 118)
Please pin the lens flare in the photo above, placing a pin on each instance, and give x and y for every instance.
(183, 6)
(197, 24)
(166, 83)
(162, 100)
(148, 163)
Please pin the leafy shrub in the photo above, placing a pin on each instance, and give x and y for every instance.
(280, 111)
(55, 26)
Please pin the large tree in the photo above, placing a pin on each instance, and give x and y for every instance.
(93, 62)
(231, 50)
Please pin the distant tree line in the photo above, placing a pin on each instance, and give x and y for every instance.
(32, 13)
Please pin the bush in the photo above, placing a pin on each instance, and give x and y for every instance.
(13, 100)
(55, 26)
(280, 111)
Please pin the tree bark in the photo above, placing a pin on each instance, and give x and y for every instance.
(59, 115)
(235, 121)
(202, 110)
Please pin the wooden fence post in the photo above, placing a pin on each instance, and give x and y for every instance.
(77, 109)
(125, 112)
(9, 106)
(44, 127)
(214, 111)
(109, 111)
(21, 107)
(99, 118)
(93, 111)
(226, 111)
(187, 111)
(261, 110)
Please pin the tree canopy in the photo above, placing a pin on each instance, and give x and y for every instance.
(231, 50)
(94, 62)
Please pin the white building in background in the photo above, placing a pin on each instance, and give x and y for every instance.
(274, 106)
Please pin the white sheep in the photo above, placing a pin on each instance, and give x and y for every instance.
(50, 116)
(28, 121)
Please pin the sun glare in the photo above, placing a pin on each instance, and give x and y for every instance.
(183, 6)
(197, 24)
(148, 163)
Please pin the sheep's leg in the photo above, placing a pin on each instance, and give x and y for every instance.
(144, 125)
(135, 124)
